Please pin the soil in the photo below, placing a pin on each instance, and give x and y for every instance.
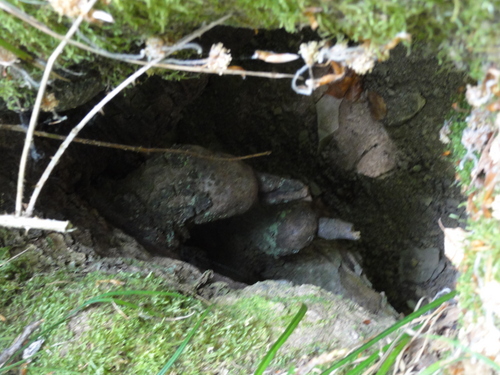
(395, 207)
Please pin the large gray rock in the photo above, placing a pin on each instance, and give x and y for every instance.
(331, 266)
(360, 143)
(157, 201)
(265, 230)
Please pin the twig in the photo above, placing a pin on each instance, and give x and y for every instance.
(19, 128)
(18, 342)
(93, 112)
(43, 28)
(28, 248)
(179, 317)
(118, 310)
(229, 72)
(76, 130)
(41, 91)
(197, 33)
(34, 222)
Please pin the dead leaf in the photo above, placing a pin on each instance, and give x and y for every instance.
(394, 42)
(349, 86)
(378, 108)
(326, 79)
(49, 102)
(273, 57)
(494, 107)
(310, 14)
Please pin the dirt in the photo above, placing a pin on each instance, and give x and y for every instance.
(393, 187)
(396, 211)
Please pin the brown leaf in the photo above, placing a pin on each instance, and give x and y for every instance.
(378, 108)
(341, 87)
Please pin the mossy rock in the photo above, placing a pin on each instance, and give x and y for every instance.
(138, 333)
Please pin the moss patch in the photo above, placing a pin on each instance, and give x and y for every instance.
(465, 31)
(103, 339)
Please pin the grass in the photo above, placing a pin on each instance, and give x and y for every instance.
(349, 359)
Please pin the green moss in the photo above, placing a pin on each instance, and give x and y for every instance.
(457, 124)
(12, 273)
(464, 30)
(101, 340)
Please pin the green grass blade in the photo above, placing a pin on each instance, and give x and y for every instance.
(181, 348)
(138, 292)
(281, 340)
(367, 362)
(5, 369)
(118, 302)
(349, 358)
(391, 358)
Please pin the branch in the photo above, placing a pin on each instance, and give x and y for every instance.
(43, 28)
(91, 142)
(18, 342)
(28, 223)
(97, 108)
(36, 109)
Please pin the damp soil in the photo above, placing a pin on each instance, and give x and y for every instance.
(396, 210)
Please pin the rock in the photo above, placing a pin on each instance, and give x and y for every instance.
(241, 242)
(330, 266)
(361, 144)
(156, 201)
(274, 189)
(403, 105)
(69, 95)
(282, 229)
(420, 265)
(336, 229)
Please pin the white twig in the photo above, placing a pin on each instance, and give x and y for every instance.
(33, 222)
(179, 317)
(130, 58)
(101, 104)
(76, 130)
(36, 109)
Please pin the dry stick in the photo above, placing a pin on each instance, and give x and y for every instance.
(36, 109)
(18, 342)
(28, 223)
(96, 109)
(43, 28)
(76, 130)
(91, 142)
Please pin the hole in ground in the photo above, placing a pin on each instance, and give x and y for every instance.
(393, 193)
